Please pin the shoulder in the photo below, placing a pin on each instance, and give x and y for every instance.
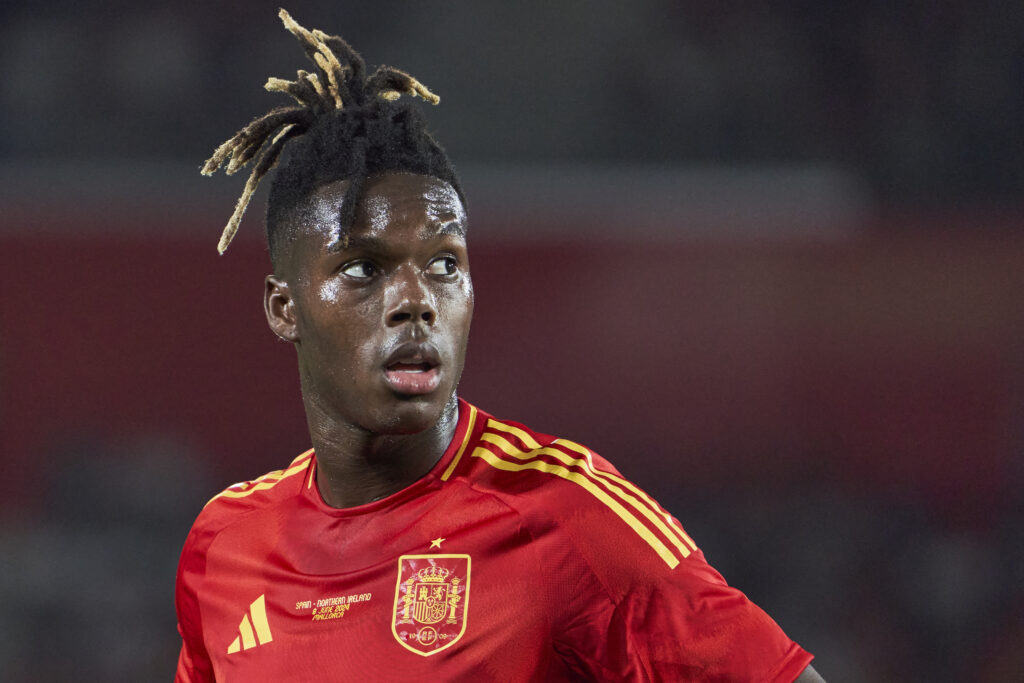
(561, 486)
(644, 601)
(510, 458)
(240, 501)
(233, 515)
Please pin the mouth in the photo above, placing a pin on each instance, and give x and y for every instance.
(413, 369)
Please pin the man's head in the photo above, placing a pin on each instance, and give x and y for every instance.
(380, 319)
(366, 226)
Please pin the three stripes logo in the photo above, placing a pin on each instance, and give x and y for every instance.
(251, 632)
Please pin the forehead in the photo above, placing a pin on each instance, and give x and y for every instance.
(395, 205)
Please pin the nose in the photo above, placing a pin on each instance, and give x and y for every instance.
(409, 298)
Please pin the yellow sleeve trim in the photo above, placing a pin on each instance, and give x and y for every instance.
(657, 509)
(586, 481)
(608, 479)
(652, 510)
(268, 480)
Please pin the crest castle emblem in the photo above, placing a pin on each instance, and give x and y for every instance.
(431, 599)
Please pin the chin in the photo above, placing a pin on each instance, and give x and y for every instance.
(412, 415)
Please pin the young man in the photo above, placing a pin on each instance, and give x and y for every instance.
(421, 538)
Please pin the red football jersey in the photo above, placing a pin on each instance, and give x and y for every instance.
(519, 557)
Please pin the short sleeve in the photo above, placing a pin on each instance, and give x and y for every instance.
(194, 664)
(679, 626)
(637, 600)
(192, 668)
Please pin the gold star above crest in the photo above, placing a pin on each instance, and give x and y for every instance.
(436, 543)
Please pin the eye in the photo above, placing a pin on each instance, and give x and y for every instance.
(443, 265)
(359, 269)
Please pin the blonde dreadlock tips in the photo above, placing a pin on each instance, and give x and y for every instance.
(332, 78)
(264, 138)
(417, 88)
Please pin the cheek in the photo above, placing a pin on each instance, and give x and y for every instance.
(349, 318)
(329, 292)
(339, 332)
(469, 296)
(349, 358)
(460, 302)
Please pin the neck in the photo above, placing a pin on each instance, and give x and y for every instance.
(356, 466)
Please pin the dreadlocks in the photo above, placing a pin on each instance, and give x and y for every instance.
(346, 125)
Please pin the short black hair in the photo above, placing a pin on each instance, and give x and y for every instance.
(346, 126)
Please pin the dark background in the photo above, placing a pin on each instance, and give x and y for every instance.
(767, 258)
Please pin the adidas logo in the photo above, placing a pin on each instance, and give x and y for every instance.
(250, 632)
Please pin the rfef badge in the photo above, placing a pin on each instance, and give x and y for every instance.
(431, 598)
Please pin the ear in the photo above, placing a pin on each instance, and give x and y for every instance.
(280, 309)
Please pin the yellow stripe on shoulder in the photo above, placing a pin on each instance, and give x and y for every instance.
(514, 431)
(615, 484)
(638, 499)
(651, 505)
(589, 481)
(267, 481)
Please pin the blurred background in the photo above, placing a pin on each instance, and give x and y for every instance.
(768, 258)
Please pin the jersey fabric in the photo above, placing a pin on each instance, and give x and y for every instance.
(519, 557)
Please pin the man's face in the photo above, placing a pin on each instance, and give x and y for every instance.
(381, 323)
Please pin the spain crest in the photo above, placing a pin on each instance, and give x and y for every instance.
(431, 599)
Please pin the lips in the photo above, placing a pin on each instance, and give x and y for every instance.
(413, 369)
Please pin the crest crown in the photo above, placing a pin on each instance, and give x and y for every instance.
(433, 574)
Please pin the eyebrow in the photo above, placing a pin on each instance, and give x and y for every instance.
(349, 241)
(453, 227)
(369, 243)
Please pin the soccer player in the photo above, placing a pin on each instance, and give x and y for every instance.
(421, 538)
